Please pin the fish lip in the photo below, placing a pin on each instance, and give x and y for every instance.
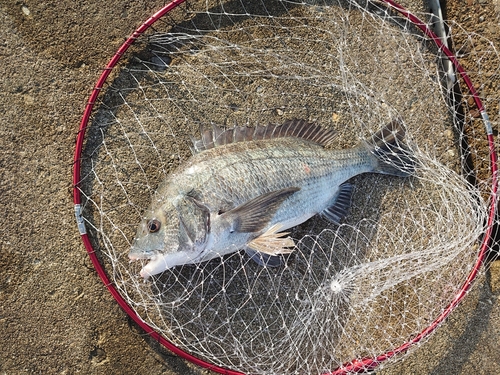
(164, 261)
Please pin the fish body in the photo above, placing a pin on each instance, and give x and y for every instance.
(244, 186)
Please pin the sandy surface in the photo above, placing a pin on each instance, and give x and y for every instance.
(55, 315)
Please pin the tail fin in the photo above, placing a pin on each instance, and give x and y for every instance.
(392, 154)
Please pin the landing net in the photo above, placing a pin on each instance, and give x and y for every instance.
(349, 296)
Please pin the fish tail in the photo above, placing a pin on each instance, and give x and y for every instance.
(392, 155)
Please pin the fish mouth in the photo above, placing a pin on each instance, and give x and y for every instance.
(160, 262)
(138, 254)
(155, 262)
(155, 265)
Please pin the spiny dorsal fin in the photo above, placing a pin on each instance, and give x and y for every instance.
(216, 136)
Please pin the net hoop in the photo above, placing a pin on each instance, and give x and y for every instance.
(356, 365)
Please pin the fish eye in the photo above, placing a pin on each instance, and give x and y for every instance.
(154, 226)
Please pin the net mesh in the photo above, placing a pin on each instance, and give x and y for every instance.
(347, 291)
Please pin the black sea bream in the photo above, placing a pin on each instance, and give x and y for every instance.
(244, 186)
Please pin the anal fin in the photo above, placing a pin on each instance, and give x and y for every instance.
(336, 212)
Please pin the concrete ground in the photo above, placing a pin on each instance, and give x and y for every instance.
(56, 317)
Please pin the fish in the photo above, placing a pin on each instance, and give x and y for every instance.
(243, 187)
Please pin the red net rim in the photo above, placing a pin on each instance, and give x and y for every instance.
(356, 365)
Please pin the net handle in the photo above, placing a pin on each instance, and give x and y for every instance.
(357, 365)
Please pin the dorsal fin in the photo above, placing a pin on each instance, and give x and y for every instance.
(216, 136)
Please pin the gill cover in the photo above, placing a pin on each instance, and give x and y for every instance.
(182, 225)
(194, 222)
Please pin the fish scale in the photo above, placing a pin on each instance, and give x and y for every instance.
(274, 165)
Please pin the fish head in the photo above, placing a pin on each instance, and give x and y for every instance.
(171, 235)
(154, 235)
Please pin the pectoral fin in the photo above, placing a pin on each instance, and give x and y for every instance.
(254, 215)
(272, 243)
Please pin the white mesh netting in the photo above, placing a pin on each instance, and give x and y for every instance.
(349, 291)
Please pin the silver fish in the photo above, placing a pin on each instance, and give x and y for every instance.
(244, 186)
